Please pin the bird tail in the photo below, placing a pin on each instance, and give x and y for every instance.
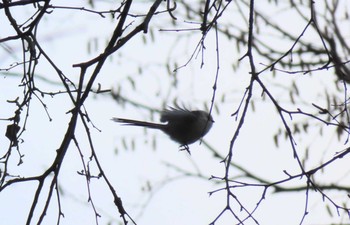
(139, 123)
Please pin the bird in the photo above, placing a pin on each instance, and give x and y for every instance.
(180, 124)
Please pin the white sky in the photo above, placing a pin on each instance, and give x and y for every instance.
(175, 199)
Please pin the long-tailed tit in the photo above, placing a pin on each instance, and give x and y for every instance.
(183, 126)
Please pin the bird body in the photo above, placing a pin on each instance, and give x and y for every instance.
(182, 125)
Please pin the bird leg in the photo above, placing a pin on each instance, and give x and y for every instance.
(185, 148)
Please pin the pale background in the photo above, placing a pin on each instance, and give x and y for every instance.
(174, 198)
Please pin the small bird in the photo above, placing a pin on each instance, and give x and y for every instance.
(182, 125)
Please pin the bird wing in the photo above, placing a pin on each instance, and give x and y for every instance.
(173, 114)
